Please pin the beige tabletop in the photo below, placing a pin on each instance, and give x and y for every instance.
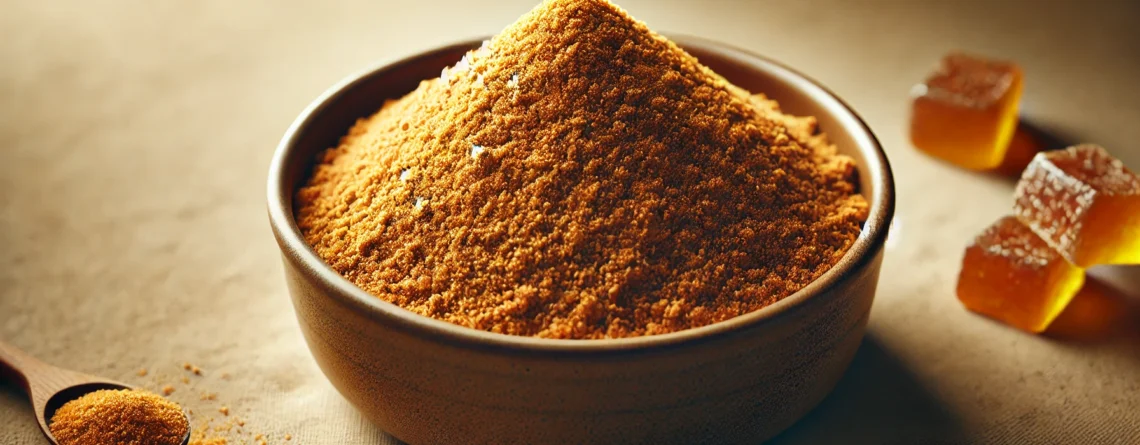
(135, 138)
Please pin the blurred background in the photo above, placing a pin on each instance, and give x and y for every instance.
(135, 138)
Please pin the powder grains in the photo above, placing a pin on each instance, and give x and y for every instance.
(119, 417)
(580, 176)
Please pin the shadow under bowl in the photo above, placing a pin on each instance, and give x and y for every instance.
(426, 381)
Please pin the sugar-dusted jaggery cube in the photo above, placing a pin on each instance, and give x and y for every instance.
(1012, 275)
(1085, 203)
(966, 111)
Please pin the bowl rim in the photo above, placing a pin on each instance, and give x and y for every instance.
(866, 246)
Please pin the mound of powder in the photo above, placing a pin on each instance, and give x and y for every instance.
(119, 417)
(580, 176)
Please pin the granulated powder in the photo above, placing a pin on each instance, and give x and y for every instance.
(113, 417)
(580, 176)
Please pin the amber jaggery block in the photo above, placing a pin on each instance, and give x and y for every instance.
(1084, 203)
(966, 111)
(1012, 275)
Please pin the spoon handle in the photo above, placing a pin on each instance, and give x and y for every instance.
(39, 380)
(17, 366)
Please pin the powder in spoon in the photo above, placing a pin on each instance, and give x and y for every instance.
(580, 176)
(119, 417)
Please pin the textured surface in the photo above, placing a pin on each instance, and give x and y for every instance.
(134, 140)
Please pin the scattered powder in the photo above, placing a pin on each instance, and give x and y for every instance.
(167, 390)
(200, 438)
(142, 372)
(192, 368)
(224, 432)
(619, 188)
(111, 417)
(224, 429)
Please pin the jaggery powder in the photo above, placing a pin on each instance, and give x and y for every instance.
(119, 417)
(580, 176)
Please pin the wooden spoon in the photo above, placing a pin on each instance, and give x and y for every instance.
(50, 387)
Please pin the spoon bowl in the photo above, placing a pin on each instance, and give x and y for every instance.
(50, 387)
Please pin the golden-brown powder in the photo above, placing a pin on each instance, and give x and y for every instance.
(112, 417)
(203, 434)
(202, 439)
(212, 431)
(580, 176)
(217, 423)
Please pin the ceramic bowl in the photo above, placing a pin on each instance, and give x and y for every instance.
(426, 381)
